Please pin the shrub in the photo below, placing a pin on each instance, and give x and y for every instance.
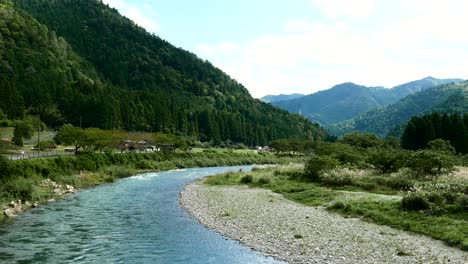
(386, 161)
(246, 179)
(47, 144)
(462, 202)
(317, 165)
(264, 181)
(441, 145)
(19, 188)
(415, 201)
(361, 140)
(337, 180)
(337, 205)
(427, 163)
(5, 167)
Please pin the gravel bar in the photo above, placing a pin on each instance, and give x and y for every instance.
(289, 231)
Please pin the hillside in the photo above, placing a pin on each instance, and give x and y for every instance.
(348, 100)
(281, 97)
(447, 98)
(86, 61)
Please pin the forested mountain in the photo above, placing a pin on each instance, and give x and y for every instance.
(281, 97)
(83, 60)
(348, 100)
(447, 98)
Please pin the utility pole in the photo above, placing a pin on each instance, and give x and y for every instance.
(38, 134)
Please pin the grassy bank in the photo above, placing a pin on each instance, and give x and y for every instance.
(23, 179)
(360, 193)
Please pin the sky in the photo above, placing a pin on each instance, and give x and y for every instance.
(303, 46)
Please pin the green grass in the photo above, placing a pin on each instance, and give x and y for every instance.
(370, 204)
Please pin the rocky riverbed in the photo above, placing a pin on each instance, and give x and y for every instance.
(267, 222)
(53, 190)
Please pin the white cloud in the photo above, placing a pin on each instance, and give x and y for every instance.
(405, 41)
(137, 13)
(356, 9)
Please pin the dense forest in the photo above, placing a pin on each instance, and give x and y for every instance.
(85, 64)
(452, 128)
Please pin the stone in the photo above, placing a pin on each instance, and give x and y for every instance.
(35, 204)
(27, 204)
(9, 212)
(51, 200)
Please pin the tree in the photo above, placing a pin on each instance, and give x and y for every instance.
(429, 163)
(441, 145)
(361, 140)
(22, 130)
(70, 135)
(317, 165)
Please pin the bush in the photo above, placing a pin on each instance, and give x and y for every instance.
(264, 181)
(246, 179)
(462, 202)
(427, 163)
(5, 167)
(386, 161)
(19, 188)
(337, 205)
(47, 144)
(317, 165)
(415, 201)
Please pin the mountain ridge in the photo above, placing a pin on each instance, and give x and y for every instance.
(445, 98)
(347, 100)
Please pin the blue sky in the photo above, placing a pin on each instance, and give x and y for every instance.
(304, 46)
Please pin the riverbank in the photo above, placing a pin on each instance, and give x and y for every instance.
(25, 179)
(269, 223)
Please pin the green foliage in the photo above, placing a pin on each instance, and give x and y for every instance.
(344, 153)
(435, 197)
(452, 128)
(415, 202)
(429, 164)
(292, 145)
(386, 161)
(264, 180)
(441, 145)
(246, 179)
(361, 140)
(70, 135)
(46, 144)
(317, 165)
(5, 167)
(22, 130)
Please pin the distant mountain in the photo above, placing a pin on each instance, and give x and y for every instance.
(281, 97)
(446, 98)
(348, 100)
(73, 60)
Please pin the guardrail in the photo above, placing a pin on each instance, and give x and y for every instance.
(35, 154)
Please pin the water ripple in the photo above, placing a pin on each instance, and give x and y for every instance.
(135, 220)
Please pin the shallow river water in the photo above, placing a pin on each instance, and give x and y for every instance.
(134, 220)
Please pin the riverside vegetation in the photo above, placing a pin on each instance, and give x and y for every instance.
(419, 191)
(24, 179)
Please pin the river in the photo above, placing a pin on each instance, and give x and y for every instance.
(134, 220)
